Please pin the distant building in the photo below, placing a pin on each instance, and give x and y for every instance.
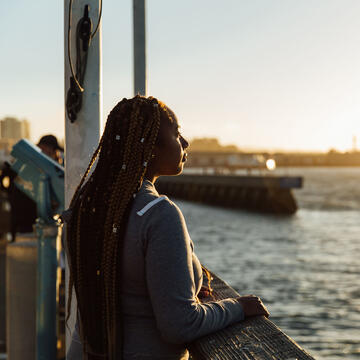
(14, 129)
(11, 131)
(220, 161)
(354, 143)
(5, 149)
(211, 145)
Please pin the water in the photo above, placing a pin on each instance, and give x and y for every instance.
(305, 267)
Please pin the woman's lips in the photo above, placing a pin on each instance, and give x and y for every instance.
(184, 157)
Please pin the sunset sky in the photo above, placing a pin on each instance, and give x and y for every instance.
(256, 73)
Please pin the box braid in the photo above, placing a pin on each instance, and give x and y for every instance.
(100, 208)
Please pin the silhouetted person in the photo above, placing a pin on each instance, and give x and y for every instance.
(50, 147)
(23, 209)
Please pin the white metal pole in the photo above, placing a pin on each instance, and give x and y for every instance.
(139, 24)
(81, 136)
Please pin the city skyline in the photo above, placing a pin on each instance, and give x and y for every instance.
(278, 75)
(13, 129)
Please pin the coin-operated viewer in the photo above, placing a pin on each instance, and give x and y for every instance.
(42, 179)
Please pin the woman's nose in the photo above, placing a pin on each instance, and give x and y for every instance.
(184, 143)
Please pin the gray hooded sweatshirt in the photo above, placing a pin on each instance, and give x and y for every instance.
(161, 276)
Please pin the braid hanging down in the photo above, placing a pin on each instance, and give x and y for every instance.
(99, 214)
(99, 209)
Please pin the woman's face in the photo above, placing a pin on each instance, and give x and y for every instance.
(169, 152)
(49, 151)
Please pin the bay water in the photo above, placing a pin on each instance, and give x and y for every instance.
(305, 267)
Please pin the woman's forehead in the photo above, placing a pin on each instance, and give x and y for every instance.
(172, 117)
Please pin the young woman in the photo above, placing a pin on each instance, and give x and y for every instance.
(132, 262)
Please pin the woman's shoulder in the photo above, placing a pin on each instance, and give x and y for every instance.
(149, 203)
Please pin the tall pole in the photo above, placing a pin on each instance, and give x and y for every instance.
(139, 47)
(81, 135)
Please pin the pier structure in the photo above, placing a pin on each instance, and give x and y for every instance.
(225, 161)
(271, 194)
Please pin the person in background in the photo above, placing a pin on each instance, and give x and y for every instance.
(22, 208)
(50, 147)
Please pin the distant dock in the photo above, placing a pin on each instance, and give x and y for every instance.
(268, 194)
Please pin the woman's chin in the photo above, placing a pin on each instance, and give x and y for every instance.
(179, 170)
(181, 167)
(175, 171)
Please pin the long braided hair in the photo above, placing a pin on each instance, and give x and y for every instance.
(99, 214)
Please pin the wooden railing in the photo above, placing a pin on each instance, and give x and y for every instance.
(256, 338)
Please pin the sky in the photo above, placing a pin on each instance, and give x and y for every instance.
(268, 74)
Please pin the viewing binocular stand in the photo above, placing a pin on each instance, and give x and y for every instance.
(42, 180)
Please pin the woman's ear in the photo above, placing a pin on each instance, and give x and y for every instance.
(156, 152)
(153, 166)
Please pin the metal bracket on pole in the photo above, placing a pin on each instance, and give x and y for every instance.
(75, 92)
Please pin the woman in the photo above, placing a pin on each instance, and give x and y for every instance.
(131, 259)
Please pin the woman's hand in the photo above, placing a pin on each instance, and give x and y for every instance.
(204, 292)
(252, 306)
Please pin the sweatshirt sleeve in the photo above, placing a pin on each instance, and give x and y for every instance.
(170, 280)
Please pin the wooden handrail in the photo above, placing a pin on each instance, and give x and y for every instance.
(256, 338)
